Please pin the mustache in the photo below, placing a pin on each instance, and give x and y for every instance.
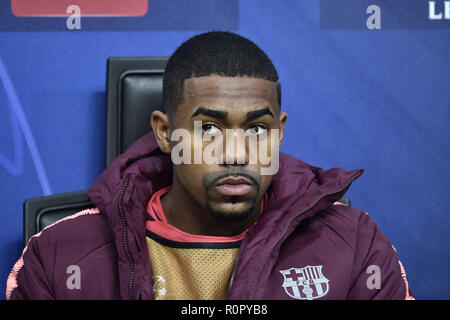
(212, 178)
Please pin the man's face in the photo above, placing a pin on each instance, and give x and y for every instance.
(228, 191)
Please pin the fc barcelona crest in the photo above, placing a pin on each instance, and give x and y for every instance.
(306, 283)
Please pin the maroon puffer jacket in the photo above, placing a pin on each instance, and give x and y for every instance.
(304, 246)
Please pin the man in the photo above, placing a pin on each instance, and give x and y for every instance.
(185, 213)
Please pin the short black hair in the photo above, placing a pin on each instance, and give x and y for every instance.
(217, 52)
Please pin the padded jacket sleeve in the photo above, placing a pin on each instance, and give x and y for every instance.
(377, 272)
(28, 279)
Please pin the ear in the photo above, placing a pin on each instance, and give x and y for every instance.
(283, 118)
(161, 127)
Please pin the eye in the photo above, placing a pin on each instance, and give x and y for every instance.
(209, 128)
(256, 129)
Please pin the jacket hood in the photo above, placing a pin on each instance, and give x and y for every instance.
(146, 169)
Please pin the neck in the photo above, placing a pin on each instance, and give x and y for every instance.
(184, 213)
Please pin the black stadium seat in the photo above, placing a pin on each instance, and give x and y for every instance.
(133, 92)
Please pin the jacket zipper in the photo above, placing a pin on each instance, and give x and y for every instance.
(125, 238)
(253, 288)
(235, 264)
(234, 269)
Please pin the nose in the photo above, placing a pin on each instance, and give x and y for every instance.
(235, 148)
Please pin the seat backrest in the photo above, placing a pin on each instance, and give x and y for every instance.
(133, 92)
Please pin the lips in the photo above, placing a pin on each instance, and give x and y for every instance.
(234, 186)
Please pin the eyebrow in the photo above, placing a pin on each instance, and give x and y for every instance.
(210, 113)
(223, 114)
(258, 113)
